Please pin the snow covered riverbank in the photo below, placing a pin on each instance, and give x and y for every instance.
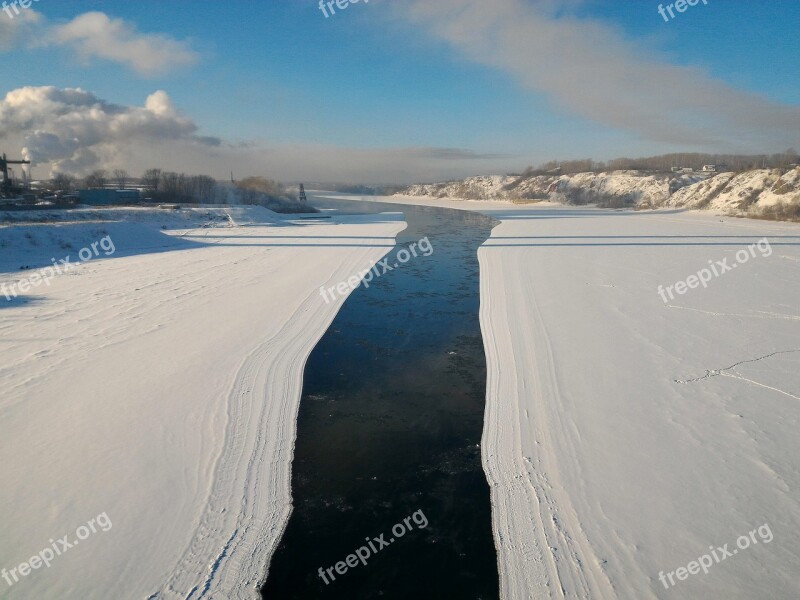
(160, 386)
(605, 468)
(625, 436)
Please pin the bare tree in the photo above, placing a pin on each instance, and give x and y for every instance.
(63, 182)
(204, 188)
(96, 179)
(152, 180)
(170, 184)
(121, 178)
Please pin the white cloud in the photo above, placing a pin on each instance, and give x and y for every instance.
(15, 31)
(94, 35)
(589, 68)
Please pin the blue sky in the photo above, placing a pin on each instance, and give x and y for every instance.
(392, 75)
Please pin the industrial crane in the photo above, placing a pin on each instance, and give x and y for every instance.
(5, 187)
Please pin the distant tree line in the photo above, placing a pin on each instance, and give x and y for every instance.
(159, 185)
(363, 190)
(665, 162)
(169, 186)
(97, 179)
(179, 187)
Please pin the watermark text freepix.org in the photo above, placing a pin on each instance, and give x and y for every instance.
(7, 7)
(376, 270)
(718, 268)
(340, 4)
(373, 546)
(679, 5)
(56, 548)
(717, 555)
(62, 266)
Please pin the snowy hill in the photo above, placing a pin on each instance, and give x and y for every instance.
(763, 192)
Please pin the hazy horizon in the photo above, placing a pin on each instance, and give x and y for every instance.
(398, 92)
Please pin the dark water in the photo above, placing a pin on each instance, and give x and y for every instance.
(390, 424)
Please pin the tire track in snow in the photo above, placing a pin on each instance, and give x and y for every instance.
(542, 550)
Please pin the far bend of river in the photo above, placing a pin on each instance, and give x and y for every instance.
(390, 423)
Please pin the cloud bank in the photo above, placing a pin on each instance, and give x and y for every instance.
(588, 68)
(73, 131)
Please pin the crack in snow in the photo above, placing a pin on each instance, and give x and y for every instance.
(736, 375)
(764, 314)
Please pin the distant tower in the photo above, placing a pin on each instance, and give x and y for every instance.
(5, 182)
(302, 198)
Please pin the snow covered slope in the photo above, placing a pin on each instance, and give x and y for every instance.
(762, 192)
(771, 193)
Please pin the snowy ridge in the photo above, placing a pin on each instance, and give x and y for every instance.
(753, 192)
(761, 192)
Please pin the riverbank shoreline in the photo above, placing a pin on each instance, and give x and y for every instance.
(135, 385)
